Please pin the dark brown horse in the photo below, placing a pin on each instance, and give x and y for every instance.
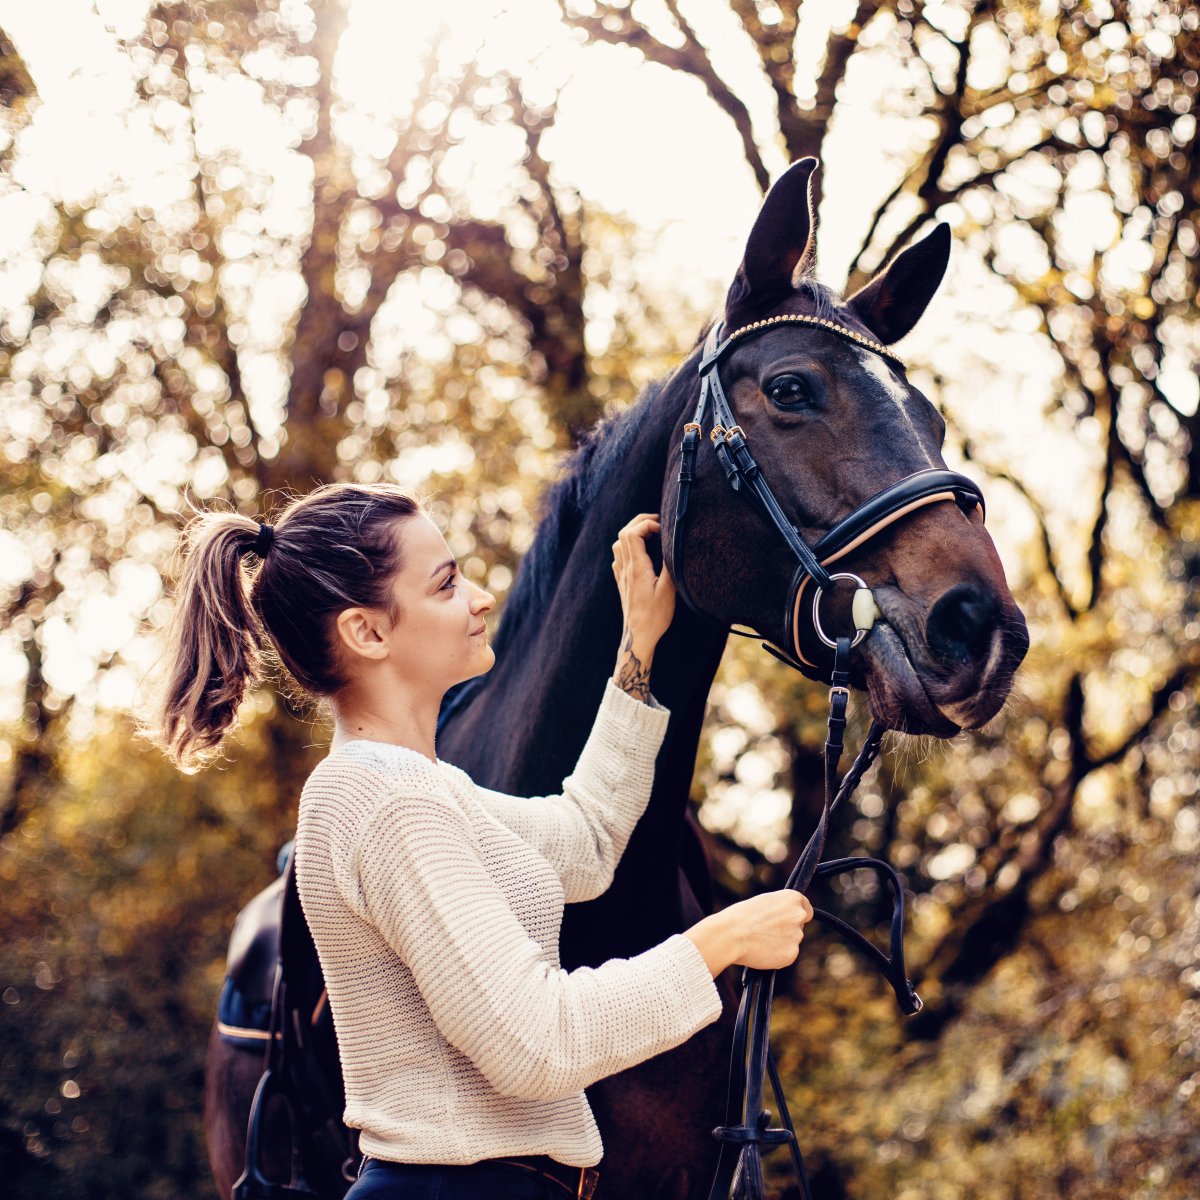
(831, 424)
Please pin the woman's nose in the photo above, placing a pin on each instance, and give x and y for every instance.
(489, 601)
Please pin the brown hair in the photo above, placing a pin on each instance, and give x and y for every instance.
(336, 548)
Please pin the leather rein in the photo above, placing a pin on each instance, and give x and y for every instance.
(746, 1132)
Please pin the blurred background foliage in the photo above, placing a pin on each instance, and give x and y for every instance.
(290, 264)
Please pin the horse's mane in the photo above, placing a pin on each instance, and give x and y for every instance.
(822, 300)
(594, 462)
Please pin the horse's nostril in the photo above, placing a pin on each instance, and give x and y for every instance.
(961, 624)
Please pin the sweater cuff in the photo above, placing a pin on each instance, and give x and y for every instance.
(690, 983)
(635, 718)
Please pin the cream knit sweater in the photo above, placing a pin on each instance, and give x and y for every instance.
(436, 905)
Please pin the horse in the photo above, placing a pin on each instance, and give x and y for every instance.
(833, 420)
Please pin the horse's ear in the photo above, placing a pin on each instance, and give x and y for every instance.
(780, 242)
(892, 303)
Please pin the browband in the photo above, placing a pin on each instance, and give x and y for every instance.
(796, 319)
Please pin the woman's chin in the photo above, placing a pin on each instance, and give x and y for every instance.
(487, 659)
(479, 662)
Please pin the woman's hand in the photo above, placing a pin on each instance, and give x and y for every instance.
(647, 600)
(763, 932)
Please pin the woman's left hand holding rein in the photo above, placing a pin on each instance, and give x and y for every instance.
(647, 601)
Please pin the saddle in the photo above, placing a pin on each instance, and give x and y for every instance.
(244, 1012)
(274, 1003)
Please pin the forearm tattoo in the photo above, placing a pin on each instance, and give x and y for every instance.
(632, 677)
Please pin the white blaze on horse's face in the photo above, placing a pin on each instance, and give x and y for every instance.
(896, 393)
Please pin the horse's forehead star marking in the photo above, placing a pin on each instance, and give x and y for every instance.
(891, 387)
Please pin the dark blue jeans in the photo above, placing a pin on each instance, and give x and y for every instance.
(423, 1181)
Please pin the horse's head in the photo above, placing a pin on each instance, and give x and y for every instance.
(831, 424)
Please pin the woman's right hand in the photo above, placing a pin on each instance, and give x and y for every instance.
(647, 597)
(763, 932)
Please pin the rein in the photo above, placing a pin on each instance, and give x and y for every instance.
(747, 1132)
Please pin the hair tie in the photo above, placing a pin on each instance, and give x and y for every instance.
(266, 534)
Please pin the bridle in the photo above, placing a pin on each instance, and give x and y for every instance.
(870, 518)
(746, 1131)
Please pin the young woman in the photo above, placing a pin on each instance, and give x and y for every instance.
(435, 904)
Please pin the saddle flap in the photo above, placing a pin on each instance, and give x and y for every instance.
(254, 944)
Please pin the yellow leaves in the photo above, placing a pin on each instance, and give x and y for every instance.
(1143, 307)
(1036, 1081)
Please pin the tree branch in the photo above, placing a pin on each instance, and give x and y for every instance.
(990, 927)
(1160, 700)
(1096, 544)
(617, 27)
(1052, 565)
(35, 771)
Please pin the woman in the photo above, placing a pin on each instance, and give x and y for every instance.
(435, 904)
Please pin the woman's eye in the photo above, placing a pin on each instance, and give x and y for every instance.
(787, 391)
(449, 582)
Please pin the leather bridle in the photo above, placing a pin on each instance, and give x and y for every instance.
(746, 1131)
(870, 518)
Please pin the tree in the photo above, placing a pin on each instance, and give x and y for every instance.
(224, 326)
(139, 371)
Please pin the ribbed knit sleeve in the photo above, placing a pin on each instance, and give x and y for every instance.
(583, 832)
(533, 1030)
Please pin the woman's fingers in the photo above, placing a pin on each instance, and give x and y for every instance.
(618, 548)
(633, 536)
(635, 526)
(630, 546)
(647, 595)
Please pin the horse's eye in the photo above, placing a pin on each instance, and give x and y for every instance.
(788, 391)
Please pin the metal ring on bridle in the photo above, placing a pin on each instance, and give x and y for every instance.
(859, 634)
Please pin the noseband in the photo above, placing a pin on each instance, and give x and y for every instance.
(852, 531)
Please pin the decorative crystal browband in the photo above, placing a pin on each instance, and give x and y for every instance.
(818, 322)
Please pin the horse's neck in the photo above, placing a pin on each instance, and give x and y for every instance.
(524, 730)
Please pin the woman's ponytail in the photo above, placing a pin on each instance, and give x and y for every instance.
(212, 646)
(338, 547)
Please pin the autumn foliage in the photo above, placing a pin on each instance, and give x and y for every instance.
(213, 326)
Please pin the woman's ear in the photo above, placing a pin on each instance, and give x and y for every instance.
(360, 633)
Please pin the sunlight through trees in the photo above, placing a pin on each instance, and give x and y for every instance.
(251, 246)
